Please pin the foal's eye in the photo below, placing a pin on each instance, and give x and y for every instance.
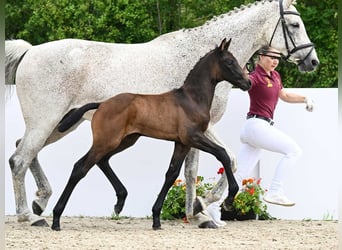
(229, 62)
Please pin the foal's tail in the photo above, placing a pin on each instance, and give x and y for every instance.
(15, 51)
(74, 116)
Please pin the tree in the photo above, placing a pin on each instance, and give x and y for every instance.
(320, 18)
(129, 21)
(109, 21)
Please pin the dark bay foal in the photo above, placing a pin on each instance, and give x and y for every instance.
(181, 115)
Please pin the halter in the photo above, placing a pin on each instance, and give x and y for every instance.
(287, 36)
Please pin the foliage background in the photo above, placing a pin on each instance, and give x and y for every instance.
(132, 21)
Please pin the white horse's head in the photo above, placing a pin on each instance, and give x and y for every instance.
(290, 31)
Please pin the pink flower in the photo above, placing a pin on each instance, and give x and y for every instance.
(258, 181)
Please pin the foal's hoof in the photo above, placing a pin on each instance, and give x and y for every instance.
(117, 209)
(208, 224)
(36, 208)
(227, 206)
(40, 223)
(56, 228)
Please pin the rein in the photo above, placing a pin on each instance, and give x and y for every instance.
(287, 35)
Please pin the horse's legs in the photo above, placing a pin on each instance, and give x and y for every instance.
(79, 171)
(190, 173)
(179, 153)
(19, 162)
(193, 204)
(36, 136)
(44, 189)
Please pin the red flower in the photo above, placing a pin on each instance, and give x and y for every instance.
(220, 171)
(251, 191)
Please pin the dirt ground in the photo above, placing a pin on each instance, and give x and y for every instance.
(136, 233)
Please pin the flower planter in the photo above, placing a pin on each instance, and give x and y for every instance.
(233, 215)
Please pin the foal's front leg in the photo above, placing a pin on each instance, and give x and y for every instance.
(211, 135)
(179, 153)
(203, 143)
(217, 192)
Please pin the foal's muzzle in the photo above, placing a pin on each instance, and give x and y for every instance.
(247, 85)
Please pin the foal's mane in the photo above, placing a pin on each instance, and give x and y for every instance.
(200, 63)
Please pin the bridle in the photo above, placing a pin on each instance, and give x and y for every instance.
(287, 35)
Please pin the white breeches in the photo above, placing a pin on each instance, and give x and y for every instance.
(257, 135)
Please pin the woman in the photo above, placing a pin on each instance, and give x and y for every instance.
(258, 132)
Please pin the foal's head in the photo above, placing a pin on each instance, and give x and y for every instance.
(227, 67)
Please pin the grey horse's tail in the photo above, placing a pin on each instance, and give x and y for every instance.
(15, 51)
(74, 116)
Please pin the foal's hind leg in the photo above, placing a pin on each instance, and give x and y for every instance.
(120, 190)
(81, 168)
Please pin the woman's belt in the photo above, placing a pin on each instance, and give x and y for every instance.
(269, 120)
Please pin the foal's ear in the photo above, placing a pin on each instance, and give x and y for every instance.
(223, 44)
(227, 44)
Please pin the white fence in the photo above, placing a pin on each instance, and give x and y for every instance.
(313, 184)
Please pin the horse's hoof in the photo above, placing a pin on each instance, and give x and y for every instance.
(157, 228)
(40, 223)
(36, 208)
(197, 206)
(208, 224)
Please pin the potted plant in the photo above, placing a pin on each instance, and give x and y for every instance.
(248, 203)
(174, 204)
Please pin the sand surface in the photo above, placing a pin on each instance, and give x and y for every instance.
(136, 233)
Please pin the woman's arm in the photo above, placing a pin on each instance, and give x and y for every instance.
(296, 98)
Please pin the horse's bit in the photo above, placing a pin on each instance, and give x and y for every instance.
(287, 35)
